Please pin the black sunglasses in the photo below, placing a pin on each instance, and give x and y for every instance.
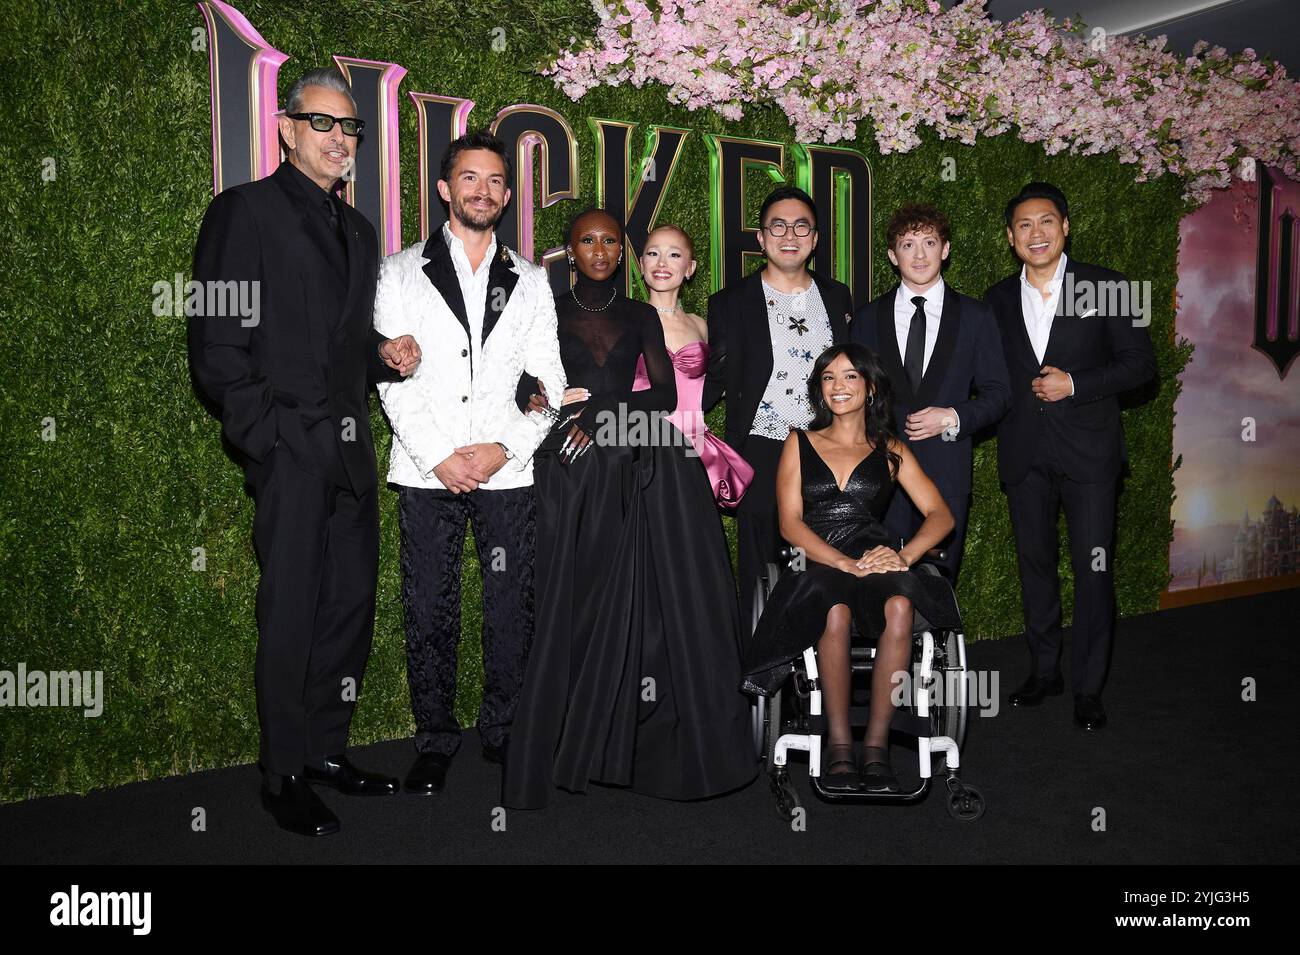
(324, 122)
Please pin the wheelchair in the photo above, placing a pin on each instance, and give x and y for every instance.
(792, 719)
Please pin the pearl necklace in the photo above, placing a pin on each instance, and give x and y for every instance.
(573, 291)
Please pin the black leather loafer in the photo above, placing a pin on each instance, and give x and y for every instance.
(1032, 691)
(1089, 713)
(339, 773)
(296, 808)
(428, 774)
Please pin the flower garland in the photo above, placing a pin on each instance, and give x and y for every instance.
(901, 64)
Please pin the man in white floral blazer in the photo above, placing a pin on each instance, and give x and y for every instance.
(462, 450)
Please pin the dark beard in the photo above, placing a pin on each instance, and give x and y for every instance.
(479, 221)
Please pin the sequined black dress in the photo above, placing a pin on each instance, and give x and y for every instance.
(850, 521)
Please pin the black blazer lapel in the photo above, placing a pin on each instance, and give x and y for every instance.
(312, 218)
(758, 340)
(944, 347)
(356, 266)
(501, 285)
(1059, 330)
(443, 276)
(1012, 311)
(839, 310)
(887, 346)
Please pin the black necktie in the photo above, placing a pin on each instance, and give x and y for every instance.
(914, 360)
(336, 222)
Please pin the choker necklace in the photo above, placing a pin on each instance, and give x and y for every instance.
(573, 291)
(670, 311)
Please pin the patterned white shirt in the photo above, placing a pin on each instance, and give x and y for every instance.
(801, 330)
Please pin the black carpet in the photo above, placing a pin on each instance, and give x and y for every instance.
(1187, 772)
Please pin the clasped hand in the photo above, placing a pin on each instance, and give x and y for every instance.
(1052, 384)
(877, 560)
(401, 354)
(469, 466)
(928, 422)
(577, 441)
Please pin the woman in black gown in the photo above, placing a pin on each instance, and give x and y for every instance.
(632, 676)
(833, 486)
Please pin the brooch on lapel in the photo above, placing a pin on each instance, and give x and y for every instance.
(505, 255)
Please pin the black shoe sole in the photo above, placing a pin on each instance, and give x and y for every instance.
(330, 784)
(1034, 701)
(327, 831)
(422, 790)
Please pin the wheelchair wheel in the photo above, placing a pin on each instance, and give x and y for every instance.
(965, 802)
(772, 726)
(787, 800)
(948, 717)
(762, 709)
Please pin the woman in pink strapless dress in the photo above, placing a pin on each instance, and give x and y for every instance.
(668, 260)
(728, 472)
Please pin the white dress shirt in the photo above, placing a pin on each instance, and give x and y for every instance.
(473, 288)
(1038, 313)
(904, 309)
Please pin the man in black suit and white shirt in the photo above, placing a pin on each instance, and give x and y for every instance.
(1070, 354)
(290, 386)
(765, 332)
(937, 345)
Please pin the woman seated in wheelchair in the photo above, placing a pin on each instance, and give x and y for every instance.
(833, 486)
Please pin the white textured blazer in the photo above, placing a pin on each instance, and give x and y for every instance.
(444, 404)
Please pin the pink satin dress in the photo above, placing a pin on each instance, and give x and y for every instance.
(728, 472)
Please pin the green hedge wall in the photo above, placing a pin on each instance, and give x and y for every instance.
(98, 526)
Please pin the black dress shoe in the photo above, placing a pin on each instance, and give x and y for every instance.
(1032, 691)
(338, 773)
(494, 754)
(877, 775)
(296, 807)
(428, 774)
(1089, 713)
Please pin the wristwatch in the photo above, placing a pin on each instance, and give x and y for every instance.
(505, 451)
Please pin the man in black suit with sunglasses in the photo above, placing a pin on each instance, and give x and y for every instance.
(289, 383)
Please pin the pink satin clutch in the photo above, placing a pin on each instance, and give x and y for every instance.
(729, 473)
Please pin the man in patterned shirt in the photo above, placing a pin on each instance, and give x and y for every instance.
(765, 332)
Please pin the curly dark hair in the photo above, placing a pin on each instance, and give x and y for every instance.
(880, 413)
(916, 217)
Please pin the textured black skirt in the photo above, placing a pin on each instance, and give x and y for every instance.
(795, 614)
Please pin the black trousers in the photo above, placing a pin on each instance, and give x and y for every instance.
(318, 547)
(758, 538)
(1035, 504)
(433, 538)
(903, 520)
